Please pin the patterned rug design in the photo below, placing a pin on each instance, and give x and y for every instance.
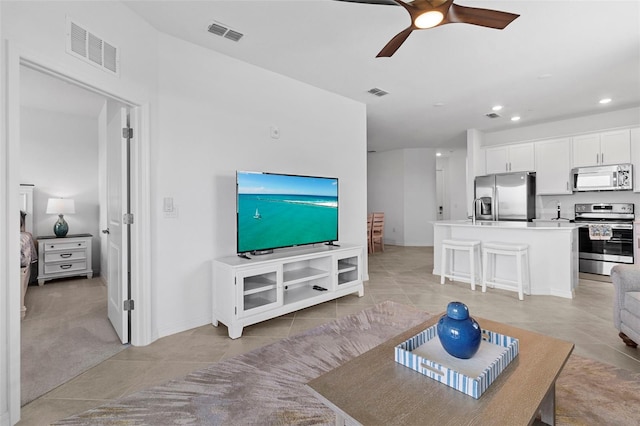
(266, 386)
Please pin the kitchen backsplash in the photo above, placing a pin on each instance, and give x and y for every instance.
(546, 205)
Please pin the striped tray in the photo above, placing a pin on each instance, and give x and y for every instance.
(424, 354)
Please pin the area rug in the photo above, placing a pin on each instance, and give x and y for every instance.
(266, 386)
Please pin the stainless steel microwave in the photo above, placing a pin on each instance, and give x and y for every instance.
(618, 177)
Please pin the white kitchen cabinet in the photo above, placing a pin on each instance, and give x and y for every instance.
(250, 290)
(553, 161)
(596, 149)
(510, 158)
(635, 157)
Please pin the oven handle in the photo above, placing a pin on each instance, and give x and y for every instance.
(613, 225)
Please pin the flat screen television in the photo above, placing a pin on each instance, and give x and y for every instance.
(279, 210)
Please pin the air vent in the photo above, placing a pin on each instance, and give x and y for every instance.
(492, 115)
(224, 31)
(92, 49)
(377, 92)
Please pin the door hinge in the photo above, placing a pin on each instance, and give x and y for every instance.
(127, 219)
(128, 305)
(127, 132)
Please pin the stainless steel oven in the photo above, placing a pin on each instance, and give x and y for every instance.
(607, 237)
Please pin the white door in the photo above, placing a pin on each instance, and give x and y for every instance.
(117, 231)
(440, 194)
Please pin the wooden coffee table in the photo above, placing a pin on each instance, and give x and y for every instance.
(373, 389)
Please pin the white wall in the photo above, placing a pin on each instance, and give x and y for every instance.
(421, 206)
(402, 184)
(214, 118)
(385, 192)
(210, 115)
(59, 155)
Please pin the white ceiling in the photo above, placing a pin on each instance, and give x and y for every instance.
(555, 61)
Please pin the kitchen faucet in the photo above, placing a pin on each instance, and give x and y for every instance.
(474, 206)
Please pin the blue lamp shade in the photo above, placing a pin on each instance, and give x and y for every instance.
(61, 206)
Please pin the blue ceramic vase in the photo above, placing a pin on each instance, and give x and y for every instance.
(459, 334)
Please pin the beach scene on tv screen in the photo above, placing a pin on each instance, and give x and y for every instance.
(282, 210)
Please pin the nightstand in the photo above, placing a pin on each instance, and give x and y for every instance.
(60, 257)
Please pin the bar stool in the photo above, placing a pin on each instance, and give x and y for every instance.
(521, 254)
(449, 247)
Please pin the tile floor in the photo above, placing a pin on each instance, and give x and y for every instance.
(402, 274)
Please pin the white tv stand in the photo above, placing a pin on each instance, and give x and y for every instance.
(248, 291)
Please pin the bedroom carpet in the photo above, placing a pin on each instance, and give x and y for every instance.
(266, 385)
(65, 332)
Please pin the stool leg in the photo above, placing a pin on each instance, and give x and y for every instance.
(527, 273)
(443, 264)
(484, 270)
(472, 272)
(520, 275)
(478, 255)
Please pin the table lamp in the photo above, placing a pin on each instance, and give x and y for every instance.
(61, 206)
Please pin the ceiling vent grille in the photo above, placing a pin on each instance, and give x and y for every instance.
(92, 49)
(377, 92)
(492, 115)
(222, 30)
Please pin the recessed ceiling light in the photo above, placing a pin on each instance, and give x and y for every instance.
(605, 100)
(497, 108)
(438, 154)
(515, 118)
(438, 104)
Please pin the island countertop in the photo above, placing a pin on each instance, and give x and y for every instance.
(546, 224)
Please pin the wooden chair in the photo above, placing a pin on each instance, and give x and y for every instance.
(377, 231)
(369, 228)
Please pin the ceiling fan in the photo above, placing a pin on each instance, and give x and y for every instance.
(427, 14)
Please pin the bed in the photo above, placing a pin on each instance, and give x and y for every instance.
(28, 252)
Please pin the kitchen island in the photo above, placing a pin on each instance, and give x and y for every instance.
(553, 251)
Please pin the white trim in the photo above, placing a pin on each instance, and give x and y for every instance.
(9, 221)
(10, 250)
(141, 229)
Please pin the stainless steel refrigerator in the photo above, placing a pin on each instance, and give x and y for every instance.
(505, 196)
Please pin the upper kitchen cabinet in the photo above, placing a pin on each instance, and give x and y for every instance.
(635, 157)
(553, 159)
(510, 158)
(602, 148)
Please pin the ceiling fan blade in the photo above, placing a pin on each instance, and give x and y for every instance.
(483, 17)
(395, 43)
(386, 2)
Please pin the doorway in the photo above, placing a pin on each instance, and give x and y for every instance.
(9, 224)
(442, 198)
(64, 152)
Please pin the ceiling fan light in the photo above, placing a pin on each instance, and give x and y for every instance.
(428, 19)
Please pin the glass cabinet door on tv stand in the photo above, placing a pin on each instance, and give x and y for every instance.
(258, 290)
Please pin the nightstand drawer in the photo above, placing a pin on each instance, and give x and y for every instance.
(65, 245)
(64, 255)
(78, 265)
